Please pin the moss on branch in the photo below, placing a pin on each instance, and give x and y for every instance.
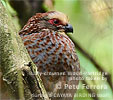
(21, 84)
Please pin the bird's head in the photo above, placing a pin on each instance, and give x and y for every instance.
(52, 20)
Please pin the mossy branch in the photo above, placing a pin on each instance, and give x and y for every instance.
(14, 57)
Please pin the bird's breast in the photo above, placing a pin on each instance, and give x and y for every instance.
(48, 50)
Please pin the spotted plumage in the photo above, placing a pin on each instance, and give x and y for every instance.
(44, 36)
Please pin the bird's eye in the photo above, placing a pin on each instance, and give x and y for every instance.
(56, 21)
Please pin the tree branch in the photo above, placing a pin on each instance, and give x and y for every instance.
(14, 56)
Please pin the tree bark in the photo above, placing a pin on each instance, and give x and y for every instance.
(21, 81)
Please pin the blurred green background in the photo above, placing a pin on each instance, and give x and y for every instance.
(92, 22)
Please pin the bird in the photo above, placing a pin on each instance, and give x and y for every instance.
(53, 52)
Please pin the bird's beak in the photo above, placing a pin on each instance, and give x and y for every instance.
(68, 28)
